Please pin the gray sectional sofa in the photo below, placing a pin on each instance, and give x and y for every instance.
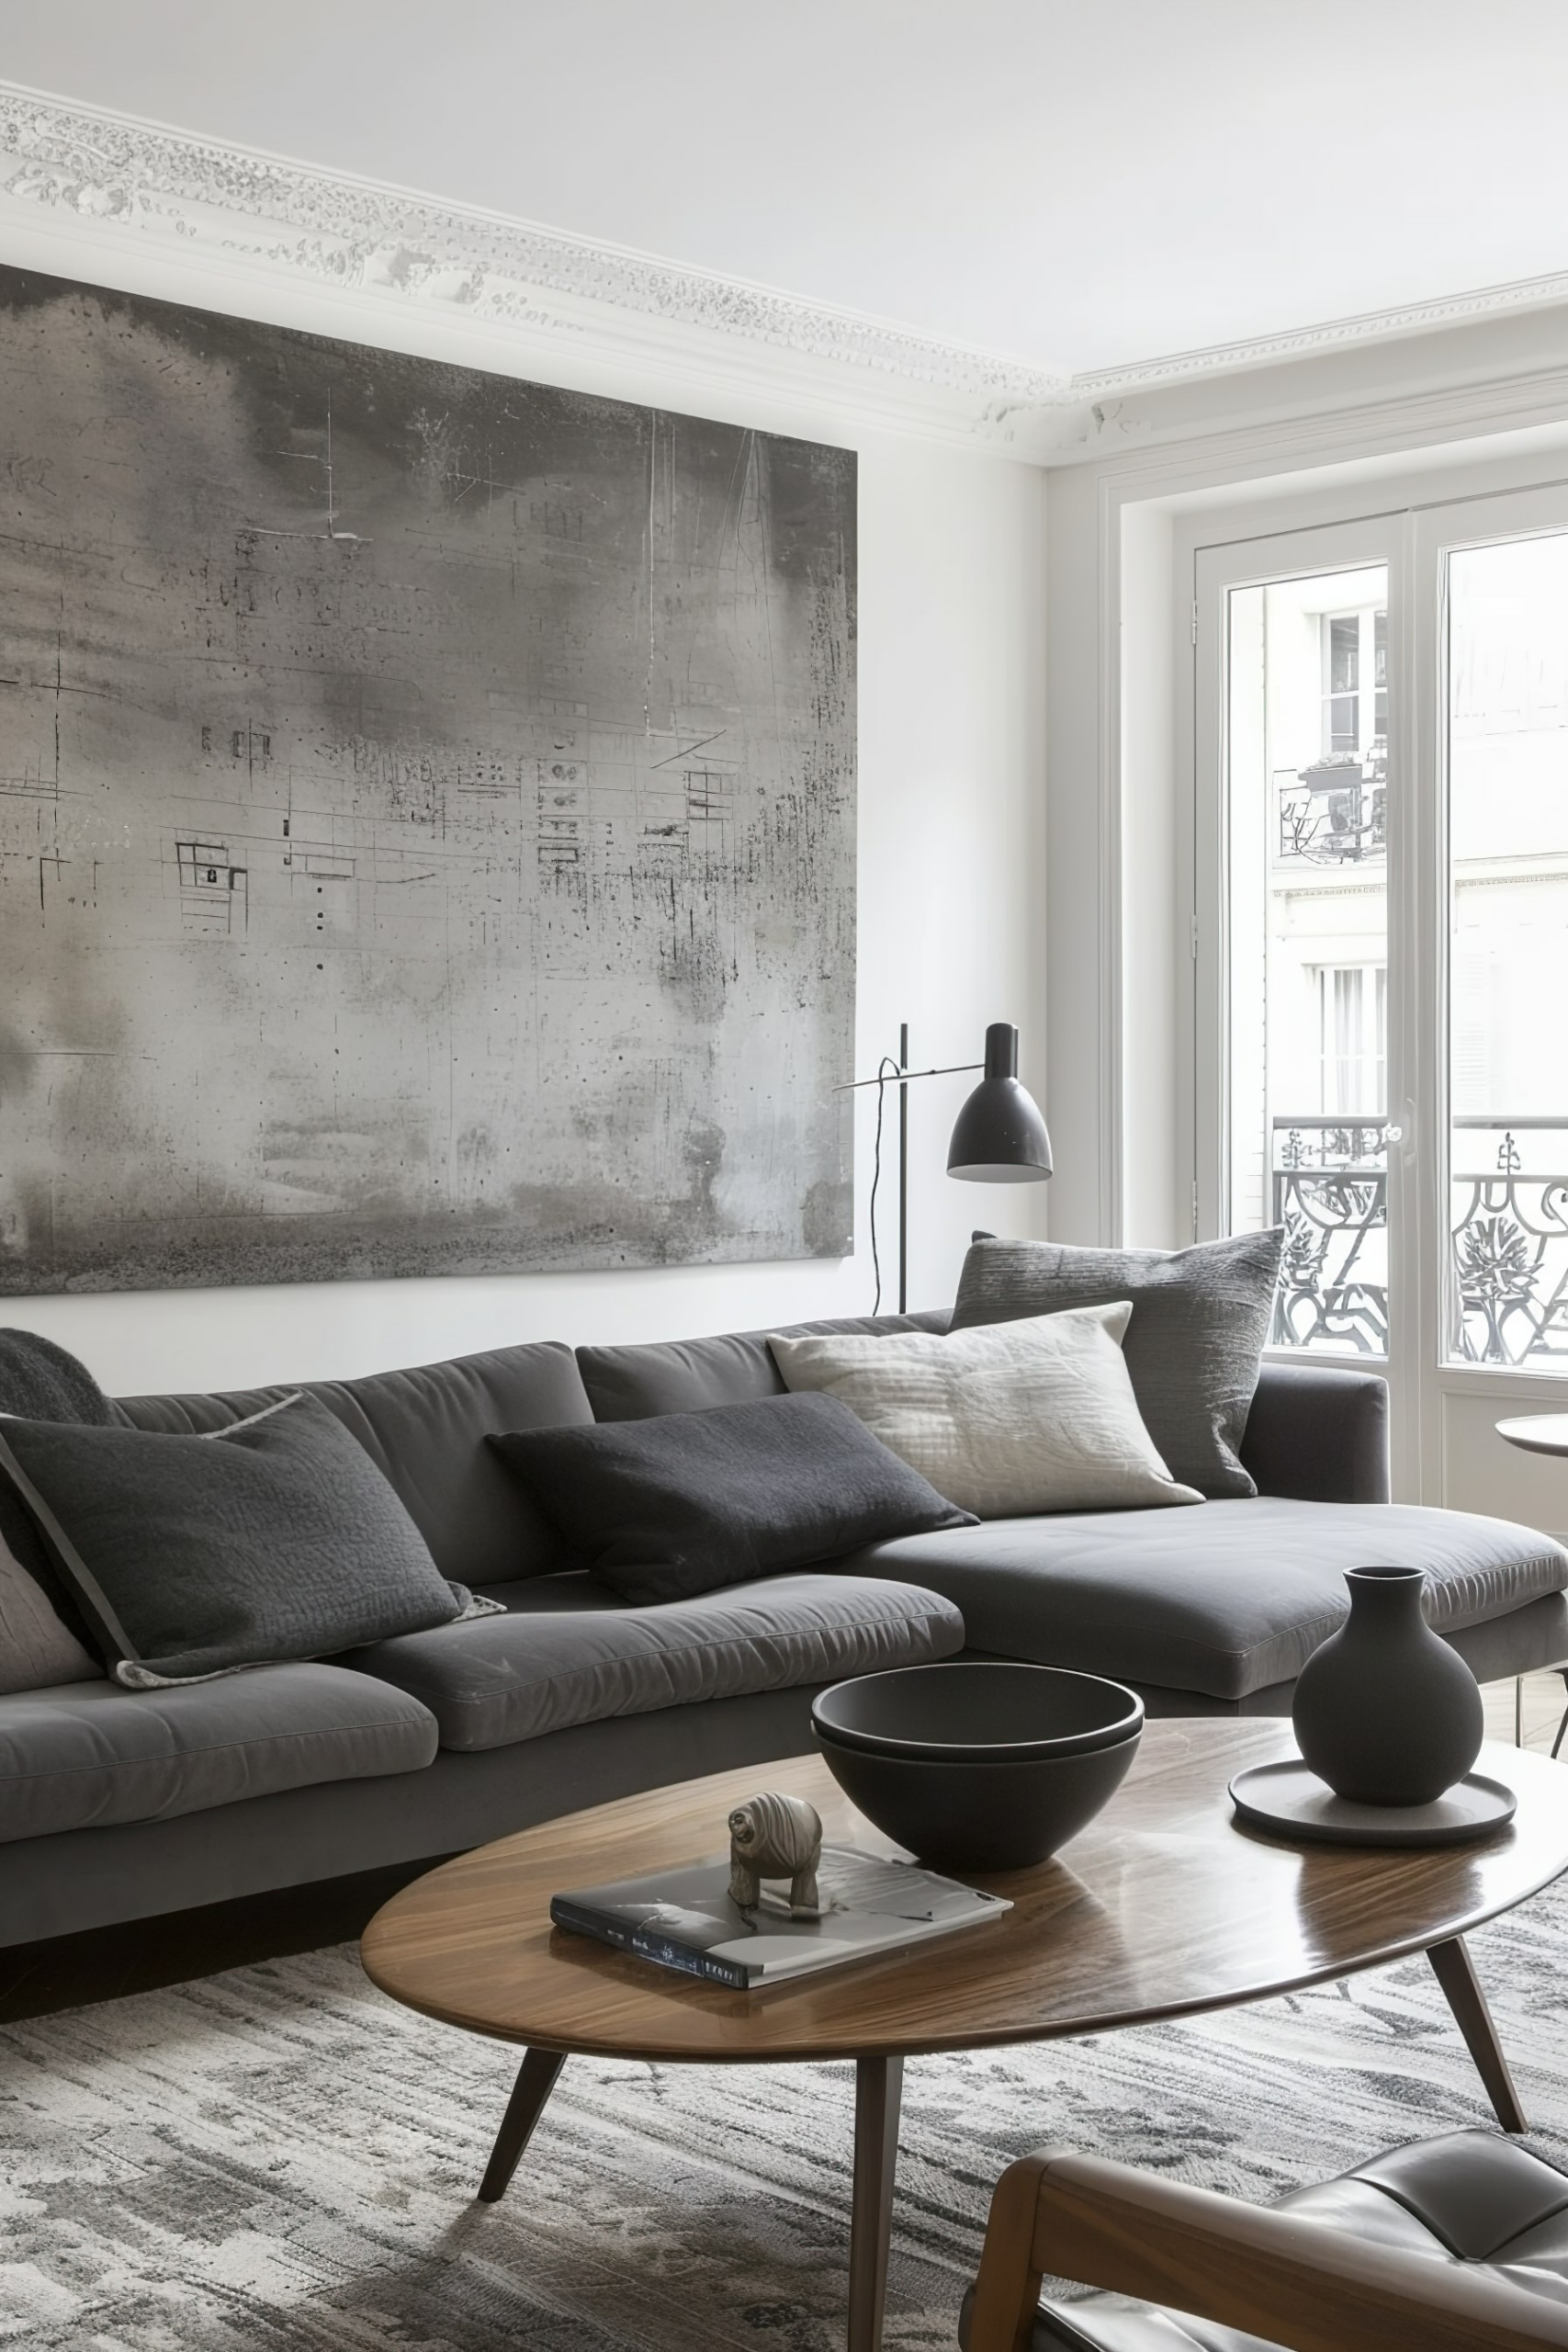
(119, 1805)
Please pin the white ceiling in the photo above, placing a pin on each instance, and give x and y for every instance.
(1078, 185)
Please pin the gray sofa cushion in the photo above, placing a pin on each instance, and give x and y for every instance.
(1225, 1600)
(686, 1375)
(89, 1755)
(571, 1652)
(1193, 1348)
(425, 1430)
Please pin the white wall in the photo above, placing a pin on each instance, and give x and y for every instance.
(951, 832)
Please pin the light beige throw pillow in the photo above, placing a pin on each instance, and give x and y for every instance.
(1005, 1419)
(37, 1649)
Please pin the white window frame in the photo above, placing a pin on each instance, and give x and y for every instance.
(1442, 1410)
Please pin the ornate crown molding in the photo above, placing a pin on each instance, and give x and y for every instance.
(107, 169)
(1331, 334)
(71, 166)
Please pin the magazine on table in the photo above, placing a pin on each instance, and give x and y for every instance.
(686, 1918)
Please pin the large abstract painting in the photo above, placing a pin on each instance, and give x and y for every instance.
(426, 815)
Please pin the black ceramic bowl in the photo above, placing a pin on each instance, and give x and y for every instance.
(971, 1803)
(979, 1712)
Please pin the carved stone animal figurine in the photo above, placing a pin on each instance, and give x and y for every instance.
(774, 1836)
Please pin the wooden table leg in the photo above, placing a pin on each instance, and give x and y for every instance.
(1455, 1975)
(879, 2084)
(536, 2081)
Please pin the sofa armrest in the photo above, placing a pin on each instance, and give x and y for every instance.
(1319, 1435)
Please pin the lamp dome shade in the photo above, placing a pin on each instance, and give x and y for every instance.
(999, 1136)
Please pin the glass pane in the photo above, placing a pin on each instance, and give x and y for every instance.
(1343, 731)
(1507, 717)
(1344, 652)
(1307, 964)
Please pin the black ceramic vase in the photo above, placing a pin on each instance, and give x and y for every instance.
(1385, 1712)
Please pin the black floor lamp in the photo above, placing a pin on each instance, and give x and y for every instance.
(998, 1137)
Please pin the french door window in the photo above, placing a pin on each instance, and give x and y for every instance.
(1381, 941)
(1306, 1016)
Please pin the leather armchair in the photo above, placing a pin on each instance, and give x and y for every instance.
(1455, 2244)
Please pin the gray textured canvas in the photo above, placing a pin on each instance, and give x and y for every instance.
(426, 815)
(1193, 1347)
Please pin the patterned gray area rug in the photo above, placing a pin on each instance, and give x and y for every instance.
(281, 2160)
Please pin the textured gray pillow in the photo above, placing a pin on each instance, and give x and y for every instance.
(38, 1650)
(1194, 1345)
(275, 1538)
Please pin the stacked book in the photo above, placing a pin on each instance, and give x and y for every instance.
(687, 1919)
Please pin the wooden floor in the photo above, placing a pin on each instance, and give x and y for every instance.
(71, 1971)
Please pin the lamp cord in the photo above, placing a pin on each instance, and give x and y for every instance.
(886, 1069)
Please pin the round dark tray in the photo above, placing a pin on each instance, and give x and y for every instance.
(1291, 1802)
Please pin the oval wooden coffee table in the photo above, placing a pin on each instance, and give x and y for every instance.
(1160, 1908)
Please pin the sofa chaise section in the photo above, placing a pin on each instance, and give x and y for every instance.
(1214, 1609)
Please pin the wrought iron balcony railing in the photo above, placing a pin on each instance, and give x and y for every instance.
(1509, 1225)
(1334, 813)
(1330, 1189)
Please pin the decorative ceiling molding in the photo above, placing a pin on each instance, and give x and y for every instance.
(110, 169)
(1332, 334)
(74, 167)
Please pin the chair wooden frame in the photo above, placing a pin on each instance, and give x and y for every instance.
(1297, 2284)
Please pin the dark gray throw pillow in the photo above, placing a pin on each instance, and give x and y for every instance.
(687, 1502)
(191, 1557)
(1193, 1348)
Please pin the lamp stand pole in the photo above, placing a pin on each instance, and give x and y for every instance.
(903, 1173)
(903, 1078)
